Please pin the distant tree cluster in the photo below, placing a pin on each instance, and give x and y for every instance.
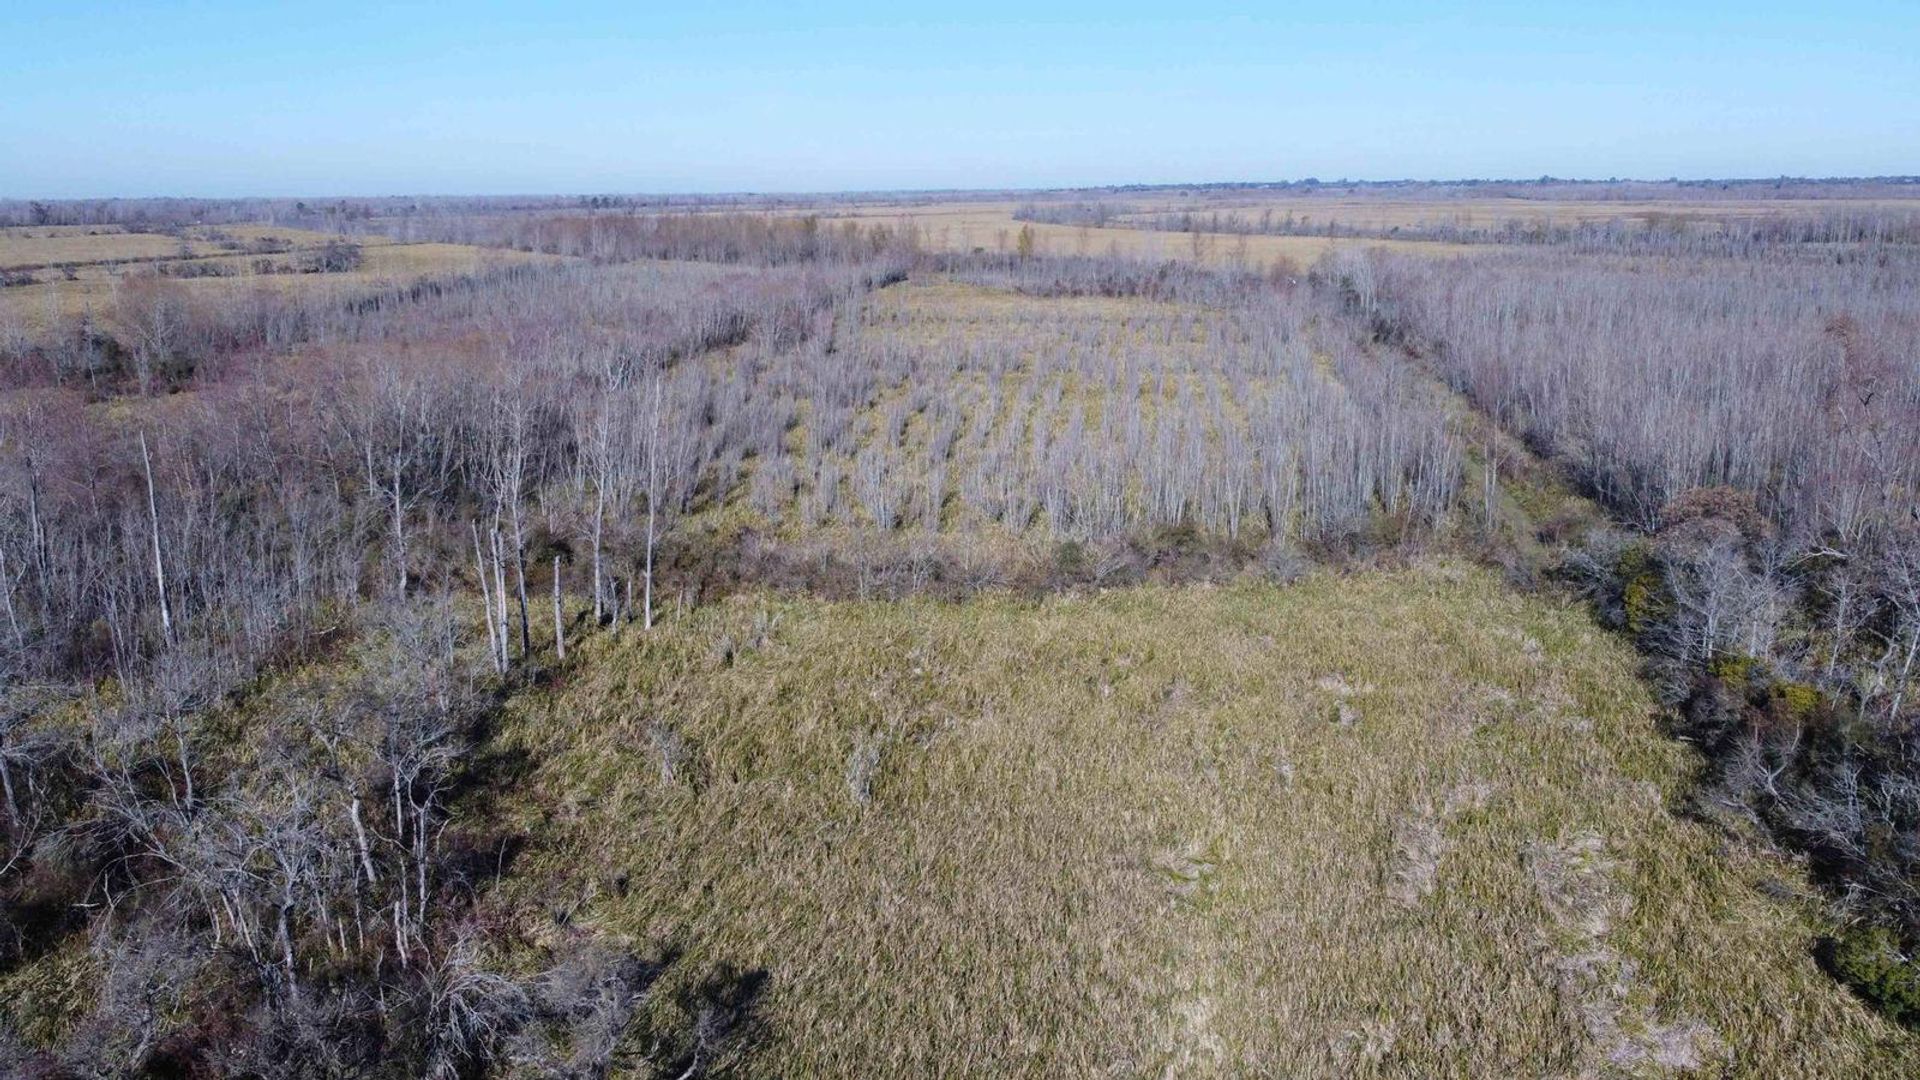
(1096, 213)
(760, 239)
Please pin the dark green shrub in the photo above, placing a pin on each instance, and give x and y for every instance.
(1070, 559)
(1643, 598)
(1869, 960)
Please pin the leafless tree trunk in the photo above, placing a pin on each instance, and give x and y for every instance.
(1903, 589)
(159, 565)
(6, 594)
(496, 648)
(599, 528)
(653, 497)
(500, 588)
(559, 627)
(399, 522)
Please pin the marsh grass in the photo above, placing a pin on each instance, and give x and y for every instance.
(79, 273)
(1127, 833)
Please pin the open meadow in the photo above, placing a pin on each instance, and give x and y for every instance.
(992, 226)
(1292, 226)
(1393, 824)
(51, 274)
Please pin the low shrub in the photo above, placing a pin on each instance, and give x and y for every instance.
(1870, 961)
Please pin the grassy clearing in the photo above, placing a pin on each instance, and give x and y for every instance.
(49, 246)
(1404, 823)
(990, 226)
(1374, 211)
(92, 289)
(54, 245)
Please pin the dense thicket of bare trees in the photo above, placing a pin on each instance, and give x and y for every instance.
(1791, 377)
(615, 237)
(1645, 232)
(1240, 415)
(272, 880)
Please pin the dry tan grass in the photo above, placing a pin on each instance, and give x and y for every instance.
(965, 225)
(1402, 824)
(990, 226)
(53, 245)
(45, 247)
(52, 297)
(1380, 211)
(300, 238)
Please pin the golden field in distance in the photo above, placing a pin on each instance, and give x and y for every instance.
(56, 272)
(961, 224)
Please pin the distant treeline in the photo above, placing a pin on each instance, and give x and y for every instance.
(1644, 232)
(762, 239)
(334, 211)
(1545, 188)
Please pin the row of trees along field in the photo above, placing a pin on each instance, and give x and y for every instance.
(1749, 417)
(1645, 231)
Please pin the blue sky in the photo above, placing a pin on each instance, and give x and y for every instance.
(349, 98)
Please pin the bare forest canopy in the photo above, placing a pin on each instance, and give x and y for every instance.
(279, 557)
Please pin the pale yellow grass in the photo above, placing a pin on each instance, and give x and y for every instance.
(45, 247)
(1396, 824)
(52, 298)
(990, 226)
(83, 245)
(303, 238)
(1384, 212)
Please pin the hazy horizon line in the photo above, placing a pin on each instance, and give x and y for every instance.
(1896, 179)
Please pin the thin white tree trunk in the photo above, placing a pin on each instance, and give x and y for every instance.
(1906, 672)
(500, 592)
(559, 627)
(520, 580)
(360, 840)
(399, 526)
(653, 501)
(159, 566)
(494, 648)
(6, 593)
(599, 520)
